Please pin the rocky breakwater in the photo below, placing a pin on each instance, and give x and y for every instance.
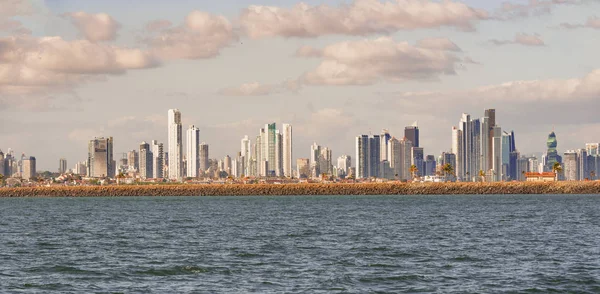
(309, 189)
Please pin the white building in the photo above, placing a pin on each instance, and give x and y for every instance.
(193, 151)
(245, 152)
(175, 145)
(157, 159)
(287, 150)
(497, 154)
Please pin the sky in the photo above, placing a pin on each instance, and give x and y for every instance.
(72, 70)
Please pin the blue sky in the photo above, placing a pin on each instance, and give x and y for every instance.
(230, 82)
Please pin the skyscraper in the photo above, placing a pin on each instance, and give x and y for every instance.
(29, 168)
(2, 172)
(278, 154)
(157, 159)
(133, 160)
(418, 159)
(193, 151)
(497, 154)
(490, 116)
(592, 148)
(204, 162)
(146, 161)
(412, 134)
(245, 155)
(430, 166)
(315, 160)
(584, 171)
(457, 150)
(375, 156)
(303, 166)
(362, 157)
(270, 146)
(100, 158)
(384, 144)
(175, 145)
(287, 150)
(344, 163)
(325, 161)
(571, 166)
(552, 156)
(62, 166)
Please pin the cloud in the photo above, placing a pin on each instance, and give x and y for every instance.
(522, 39)
(50, 66)
(249, 89)
(158, 25)
(258, 89)
(10, 9)
(593, 22)
(438, 44)
(361, 17)
(510, 10)
(367, 62)
(202, 36)
(95, 27)
(565, 91)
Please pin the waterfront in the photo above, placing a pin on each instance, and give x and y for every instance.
(389, 188)
(351, 244)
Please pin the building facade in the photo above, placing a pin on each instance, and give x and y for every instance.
(175, 144)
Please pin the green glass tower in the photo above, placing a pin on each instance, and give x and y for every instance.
(552, 156)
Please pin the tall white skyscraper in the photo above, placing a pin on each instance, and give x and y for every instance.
(175, 145)
(287, 150)
(193, 151)
(270, 146)
(278, 154)
(457, 150)
(245, 152)
(497, 154)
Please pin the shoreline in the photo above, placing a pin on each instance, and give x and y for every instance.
(510, 188)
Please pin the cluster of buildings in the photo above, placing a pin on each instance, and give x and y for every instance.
(480, 150)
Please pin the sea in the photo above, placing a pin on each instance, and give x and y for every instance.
(317, 244)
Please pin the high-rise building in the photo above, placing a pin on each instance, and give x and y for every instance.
(325, 161)
(287, 150)
(175, 145)
(29, 168)
(457, 150)
(227, 164)
(193, 151)
(100, 158)
(430, 166)
(279, 154)
(448, 158)
(490, 116)
(245, 150)
(552, 156)
(375, 156)
(384, 144)
(418, 160)
(592, 149)
(485, 155)
(584, 171)
(270, 146)
(80, 169)
(204, 163)
(303, 166)
(133, 159)
(146, 161)
(62, 166)
(506, 141)
(497, 154)
(157, 160)
(362, 157)
(401, 158)
(260, 153)
(2, 172)
(522, 167)
(344, 163)
(412, 134)
(315, 160)
(571, 165)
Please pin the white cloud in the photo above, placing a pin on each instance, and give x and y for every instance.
(593, 22)
(510, 10)
(367, 62)
(522, 39)
(361, 17)
(202, 36)
(438, 44)
(248, 89)
(95, 27)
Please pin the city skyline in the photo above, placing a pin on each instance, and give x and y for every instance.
(532, 61)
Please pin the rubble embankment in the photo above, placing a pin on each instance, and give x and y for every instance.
(308, 189)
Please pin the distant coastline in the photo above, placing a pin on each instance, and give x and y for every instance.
(308, 189)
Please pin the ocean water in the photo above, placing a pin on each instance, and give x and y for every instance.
(367, 244)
